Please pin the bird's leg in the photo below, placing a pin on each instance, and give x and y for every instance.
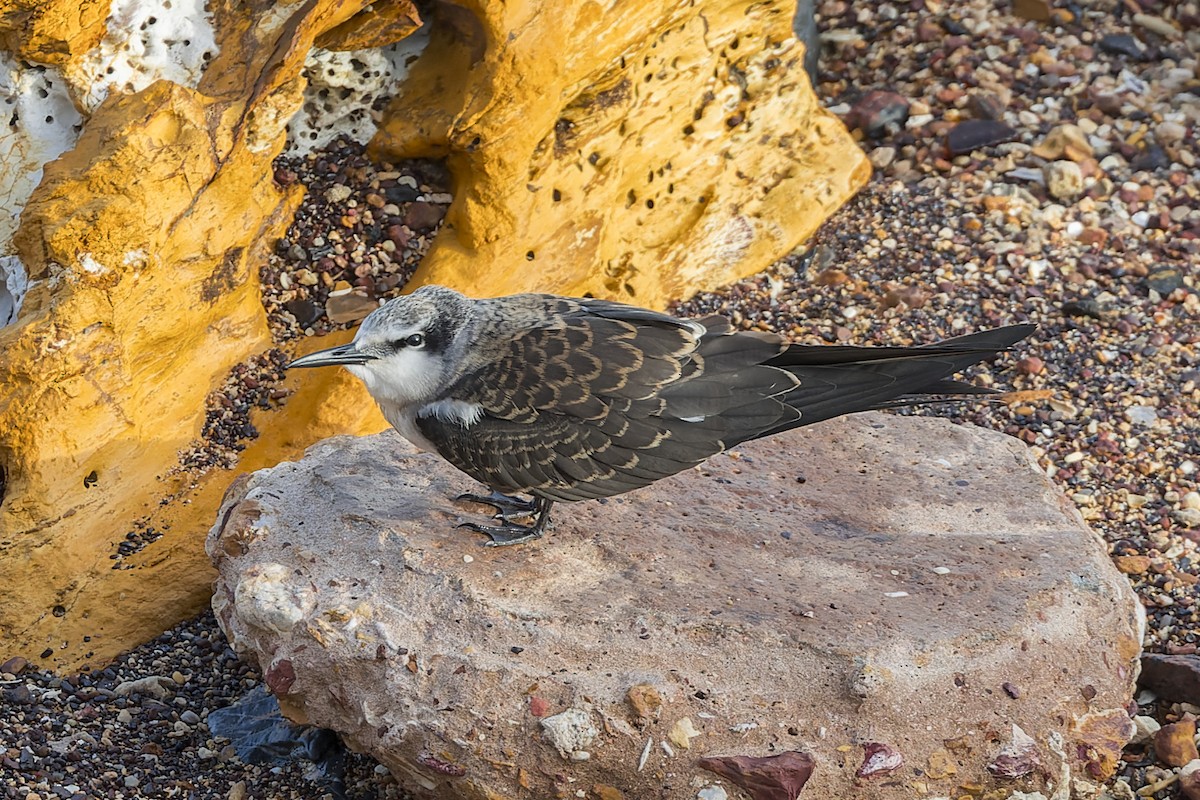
(506, 505)
(512, 533)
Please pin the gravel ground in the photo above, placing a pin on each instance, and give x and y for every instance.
(984, 210)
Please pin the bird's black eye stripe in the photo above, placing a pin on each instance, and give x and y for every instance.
(412, 340)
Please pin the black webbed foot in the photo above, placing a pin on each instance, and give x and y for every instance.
(510, 532)
(504, 535)
(507, 506)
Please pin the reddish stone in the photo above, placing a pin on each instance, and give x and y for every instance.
(778, 777)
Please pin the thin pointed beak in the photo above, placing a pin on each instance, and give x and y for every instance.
(342, 354)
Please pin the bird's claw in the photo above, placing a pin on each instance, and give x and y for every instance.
(504, 535)
(506, 505)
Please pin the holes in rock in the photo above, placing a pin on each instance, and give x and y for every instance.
(556, 195)
(3, 483)
(59, 611)
(90, 480)
(630, 198)
(650, 204)
(529, 256)
(688, 130)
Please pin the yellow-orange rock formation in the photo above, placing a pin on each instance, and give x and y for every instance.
(641, 153)
(51, 32)
(143, 245)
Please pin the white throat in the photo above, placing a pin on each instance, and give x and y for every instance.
(405, 379)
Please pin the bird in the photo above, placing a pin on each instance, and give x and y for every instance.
(567, 399)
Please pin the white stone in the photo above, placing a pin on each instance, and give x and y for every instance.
(1142, 415)
(14, 283)
(1064, 179)
(1143, 728)
(268, 600)
(570, 732)
(146, 41)
(42, 125)
(342, 88)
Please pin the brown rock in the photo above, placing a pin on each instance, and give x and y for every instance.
(985, 105)
(1174, 678)
(1132, 565)
(423, 216)
(1064, 141)
(775, 777)
(699, 560)
(603, 791)
(14, 666)
(349, 306)
(1175, 744)
(625, 152)
(876, 110)
(1031, 365)
(1036, 10)
(832, 277)
(646, 701)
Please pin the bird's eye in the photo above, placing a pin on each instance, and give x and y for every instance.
(412, 340)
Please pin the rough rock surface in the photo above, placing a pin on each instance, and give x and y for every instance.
(901, 606)
(638, 151)
(131, 283)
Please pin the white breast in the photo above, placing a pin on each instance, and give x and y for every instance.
(405, 421)
(460, 411)
(452, 411)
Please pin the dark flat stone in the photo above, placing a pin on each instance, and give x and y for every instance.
(973, 134)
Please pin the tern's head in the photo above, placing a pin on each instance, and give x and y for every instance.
(401, 350)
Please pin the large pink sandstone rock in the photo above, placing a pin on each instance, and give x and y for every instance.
(876, 607)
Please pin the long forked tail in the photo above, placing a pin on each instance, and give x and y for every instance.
(836, 380)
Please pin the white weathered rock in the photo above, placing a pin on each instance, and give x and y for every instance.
(924, 590)
(1064, 179)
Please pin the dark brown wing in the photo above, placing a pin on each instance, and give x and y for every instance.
(607, 399)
